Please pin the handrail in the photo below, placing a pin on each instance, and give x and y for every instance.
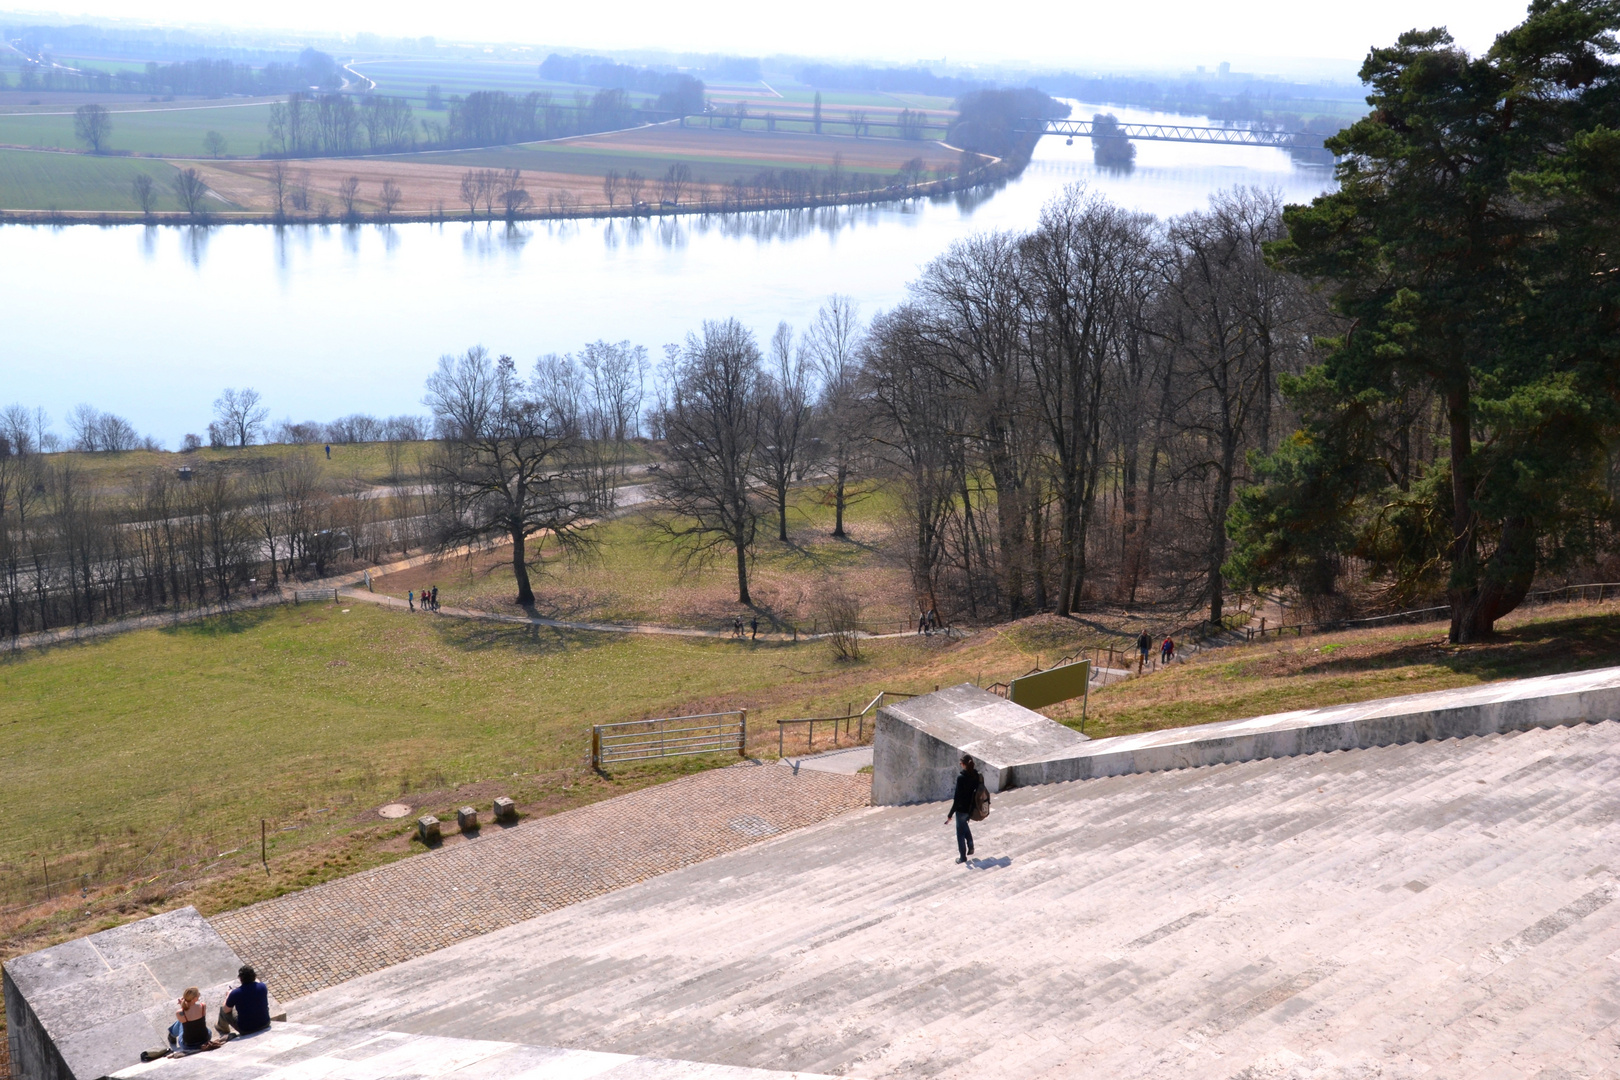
(812, 721)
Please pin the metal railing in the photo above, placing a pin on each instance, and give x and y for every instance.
(670, 736)
(837, 721)
(314, 595)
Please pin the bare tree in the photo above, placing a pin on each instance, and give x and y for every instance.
(858, 122)
(610, 186)
(388, 197)
(838, 610)
(214, 144)
(92, 125)
(470, 192)
(509, 465)
(145, 194)
(349, 196)
(192, 192)
(833, 344)
(785, 419)
(240, 415)
(633, 183)
(711, 427)
(279, 183)
(513, 195)
(677, 178)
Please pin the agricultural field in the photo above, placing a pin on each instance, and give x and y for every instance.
(365, 463)
(161, 129)
(30, 180)
(715, 158)
(410, 79)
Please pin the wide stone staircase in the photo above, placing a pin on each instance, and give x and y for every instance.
(1443, 908)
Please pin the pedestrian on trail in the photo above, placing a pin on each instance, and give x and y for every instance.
(1167, 651)
(328, 451)
(965, 802)
(1144, 645)
(753, 628)
(933, 620)
(736, 626)
(410, 599)
(435, 598)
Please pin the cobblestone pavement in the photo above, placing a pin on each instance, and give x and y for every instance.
(325, 935)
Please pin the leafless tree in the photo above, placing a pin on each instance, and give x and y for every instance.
(838, 611)
(145, 194)
(509, 465)
(633, 183)
(470, 191)
(611, 183)
(388, 197)
(513, 195)
(279, 183)
(190, 189)
(711, 426)
(858, 122)
(833, 345)
(785, 422)
(677, 178)
(349, 196)
(240, 414)
(214, 144)
(92, 125)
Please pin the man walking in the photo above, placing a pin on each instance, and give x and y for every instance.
(753, 628)
(1167, 651)
(1144, 646)
(410, 599)
(968, 783)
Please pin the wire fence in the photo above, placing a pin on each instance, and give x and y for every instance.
(839, 726)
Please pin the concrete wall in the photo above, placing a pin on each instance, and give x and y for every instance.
(88, 1007)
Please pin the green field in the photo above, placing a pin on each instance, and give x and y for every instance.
(173, 130)
(42, 181)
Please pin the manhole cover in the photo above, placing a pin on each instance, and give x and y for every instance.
(751, 825)
(394, 810)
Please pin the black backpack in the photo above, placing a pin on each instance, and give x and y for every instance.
(981, 803)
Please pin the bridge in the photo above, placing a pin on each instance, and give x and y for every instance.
(1230, 136)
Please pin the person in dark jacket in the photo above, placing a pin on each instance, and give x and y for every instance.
(968, 782)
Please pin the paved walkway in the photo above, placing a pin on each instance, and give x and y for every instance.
(846, 762)
(322, 936)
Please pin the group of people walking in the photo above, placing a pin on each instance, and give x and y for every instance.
(429, 599)
(1144, 647)
(928, 622)
(246, 1012)
(737, 628)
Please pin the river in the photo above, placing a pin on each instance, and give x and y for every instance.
(152, 322)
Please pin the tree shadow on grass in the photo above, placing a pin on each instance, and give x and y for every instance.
(478, 635)
(241, 621)
(1542, 647)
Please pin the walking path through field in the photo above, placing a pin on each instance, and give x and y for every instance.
(321, 936)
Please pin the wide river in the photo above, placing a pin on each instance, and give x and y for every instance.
(152, 322)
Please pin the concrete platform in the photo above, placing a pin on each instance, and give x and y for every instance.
(917, 743)
(305, 1052)
(1442, 909)
(84, 1008)
(846, 762)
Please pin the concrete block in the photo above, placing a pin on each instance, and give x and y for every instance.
(467, 819)
(427, 829)
(88, 1007)
(505, 809)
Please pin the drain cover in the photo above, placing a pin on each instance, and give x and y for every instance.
(751, 825)
(394, 810)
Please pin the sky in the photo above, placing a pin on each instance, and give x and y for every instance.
(1272, 36)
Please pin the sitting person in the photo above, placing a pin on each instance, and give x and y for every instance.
(189, 1032)
(247, 1008)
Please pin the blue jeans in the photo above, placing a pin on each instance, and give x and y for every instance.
(175, 1041)
(964, 836)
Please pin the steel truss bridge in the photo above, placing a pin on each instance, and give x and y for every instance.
(1229, 136)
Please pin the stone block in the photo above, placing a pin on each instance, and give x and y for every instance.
(467, 819)
(88, 1007)
(427, 829)
(505, 809)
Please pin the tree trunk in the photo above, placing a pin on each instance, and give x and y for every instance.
(1464, 588)
(838, 501)
(520, 567)
(742, 576)
(781, 512)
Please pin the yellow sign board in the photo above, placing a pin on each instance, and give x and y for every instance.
(1050, 687)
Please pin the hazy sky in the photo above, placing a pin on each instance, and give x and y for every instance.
(1113, 33)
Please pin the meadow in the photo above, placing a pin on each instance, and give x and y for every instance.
(159, 129)
(78, 182)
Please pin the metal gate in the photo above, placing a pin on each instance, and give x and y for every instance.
(670, 736)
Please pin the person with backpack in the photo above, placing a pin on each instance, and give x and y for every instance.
(970, 802)
(1144, 646)
(1167, 651)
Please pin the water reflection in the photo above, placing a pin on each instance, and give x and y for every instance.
(331, 321)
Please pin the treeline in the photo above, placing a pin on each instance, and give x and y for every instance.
(676, 92)
(203, 77)
(992, 122)
(915, 80)
(1227, 100)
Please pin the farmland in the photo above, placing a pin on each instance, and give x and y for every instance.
(162, 129)
(79, 182)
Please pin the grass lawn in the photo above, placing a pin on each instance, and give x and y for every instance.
(169, 130)
(365, 462)
(36, 181)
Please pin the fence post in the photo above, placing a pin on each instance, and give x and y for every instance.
(596, 746)
(742, 735)
(780, 753)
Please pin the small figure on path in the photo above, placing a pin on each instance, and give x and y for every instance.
(965, 801)
(247, 1008)
(1167, 651)
(435, 598)
(736, 626)
(934, 622)
(189, 1032)
(328, 451)
(410, 599)
(1144, 645)
(922, 623)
